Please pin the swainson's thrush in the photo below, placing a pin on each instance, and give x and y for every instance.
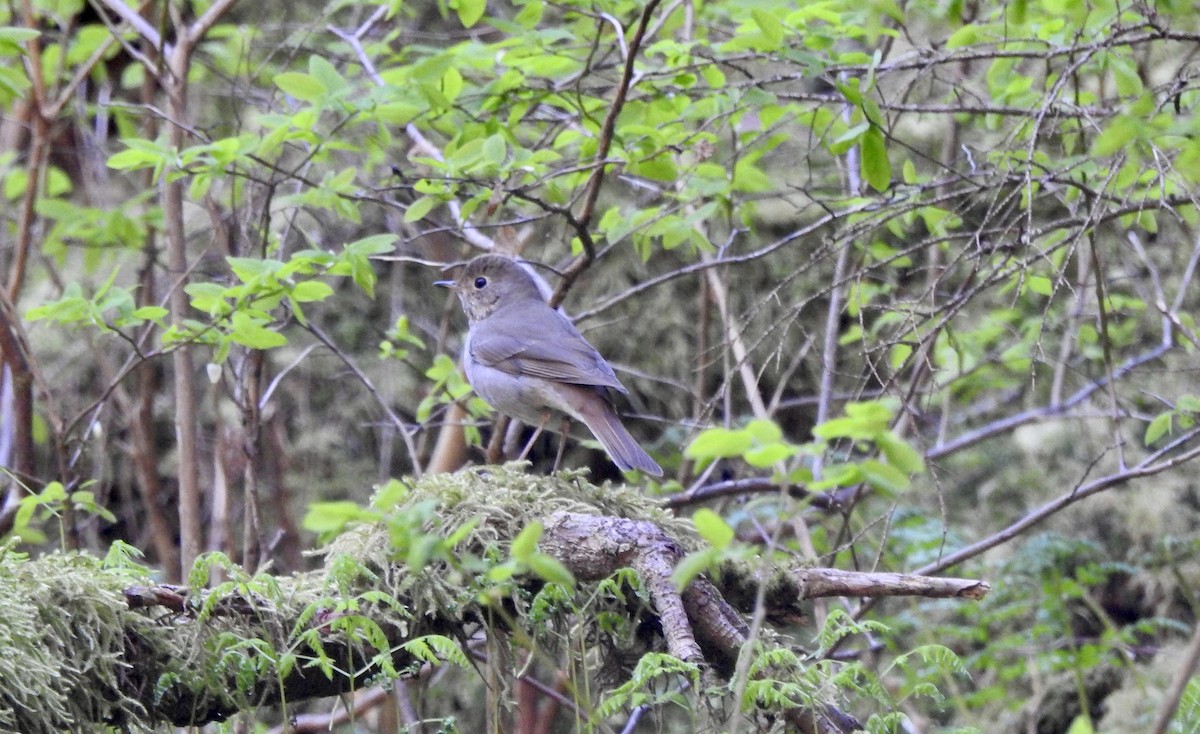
(526, 359)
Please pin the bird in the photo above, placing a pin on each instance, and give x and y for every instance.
(528, 361)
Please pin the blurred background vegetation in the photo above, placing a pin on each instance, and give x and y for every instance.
(931, 265)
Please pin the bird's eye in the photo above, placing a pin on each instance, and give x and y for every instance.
(480, 282)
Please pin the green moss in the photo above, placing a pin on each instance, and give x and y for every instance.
(497, 502)
(85, 661)
(62, 643)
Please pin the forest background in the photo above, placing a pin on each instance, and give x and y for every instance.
(896, 287)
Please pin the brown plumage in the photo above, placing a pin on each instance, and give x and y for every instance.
(525, 359)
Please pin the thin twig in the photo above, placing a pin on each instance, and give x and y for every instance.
(1148, 467)
(366, 381)
(592, 192)
(135, 20)
(1170, 699)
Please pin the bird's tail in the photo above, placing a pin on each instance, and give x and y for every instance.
(622, 448)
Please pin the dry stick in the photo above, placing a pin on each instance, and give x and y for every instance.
(543, 688)
(449, 451)
(147, 380)
(830, 344)
(819, 582)
(325, 722)
(594, 546)
(1188, 273)
(1012, 422)
(445, 451)
(1083, 272)
(588, 208)
(36, 163)
(1062, 110)
(21, 385)
(749, 485)
(1170, 701)
(703, 306)
(174, 81)
(1063, 223)
(1145, 469)
(19, 346)
(712, 289)
(12, 356)
(354, 40)
(366, 381)
(1106, 345)
(250, 437)
(741, 355)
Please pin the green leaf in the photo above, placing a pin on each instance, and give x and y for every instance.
(209, 298)
(1040, 285)
(530, 15)
(325, 72)
(420, 551)
(713, 76)
(15, 35)
(876, 168)
(862, 422)
(325, 518)
(452, 84)
(1188, 403)
(691, 566)
(150, 313)
(763, 457)
(843, 142)
(304, 87)
(503, 572)
(1129, 80)
(1116, 135)
(376, 244)
(716, 443)
(250, 269)
(764, 431)
(899, 454)
(418, 209)
(771, 27)
(469, 11)
(549, 569)
(658, 168)
(713, 528)
(884, 477)
(524, 545)
(964, 36)
(495, 149)
(397, 113)
(311, 290)
(249, 332)
(1082, 725)
(1159, 427)
(463, 532)
(130, 159)
(838, 475)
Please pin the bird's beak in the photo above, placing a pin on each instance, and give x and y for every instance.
(444, 283)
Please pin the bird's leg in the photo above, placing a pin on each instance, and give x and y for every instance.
(512, 437)
(497, 447)
(537, 432)
(562, 442)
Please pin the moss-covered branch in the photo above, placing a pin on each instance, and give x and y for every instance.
(95, 643)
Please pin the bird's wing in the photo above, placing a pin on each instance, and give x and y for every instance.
(557, 351)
